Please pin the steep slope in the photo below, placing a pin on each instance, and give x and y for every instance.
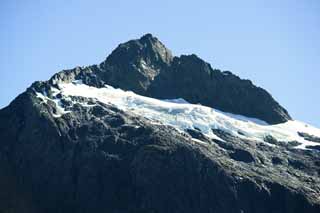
(77, 144)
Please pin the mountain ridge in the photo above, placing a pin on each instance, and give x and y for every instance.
(147, 67)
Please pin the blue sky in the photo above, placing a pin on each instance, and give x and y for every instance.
(275, 43)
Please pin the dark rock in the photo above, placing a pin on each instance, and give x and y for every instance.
(309, 137)
(196, 133)
(271, 140)
(297, 164)
(242, 155)
(194, 80)
(277, 160)
(293, 143)
(317, 147)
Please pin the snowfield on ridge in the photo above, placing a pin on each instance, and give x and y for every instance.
(183, 115)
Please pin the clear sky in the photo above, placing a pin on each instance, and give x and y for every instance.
(274, 43)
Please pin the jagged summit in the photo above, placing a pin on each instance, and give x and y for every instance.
(147, 47)
(133, 65)
(148, 36)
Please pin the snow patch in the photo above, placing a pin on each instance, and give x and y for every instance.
(143, 64)
(60, 110)
(77, 82)
(177, 101)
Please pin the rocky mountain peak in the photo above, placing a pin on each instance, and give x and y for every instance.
(147, 48)
(157, 47)
(133, 65)
(148, 36)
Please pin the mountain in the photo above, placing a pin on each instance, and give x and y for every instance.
(145, 66)
(145, 131)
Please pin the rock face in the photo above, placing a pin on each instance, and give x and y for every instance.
(194, 80)
(99, 158)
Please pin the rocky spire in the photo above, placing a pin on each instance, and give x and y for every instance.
(133, 65)
(148, 48)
